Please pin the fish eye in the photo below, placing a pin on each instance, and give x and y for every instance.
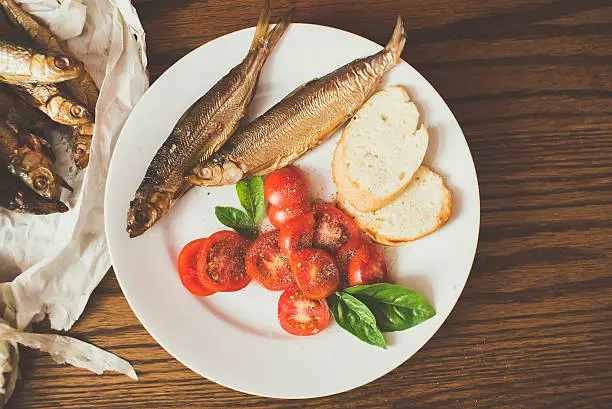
(77, 111)
(142, 216)
(41, 182)
(80, 149)
(63, 62)
(204, 173)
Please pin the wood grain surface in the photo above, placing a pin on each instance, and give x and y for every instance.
(530, 82)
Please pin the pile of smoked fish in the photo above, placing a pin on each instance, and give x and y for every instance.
(207, 148)
(43, 88)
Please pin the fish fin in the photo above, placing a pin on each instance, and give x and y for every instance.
(398, 39)
(278, 31)
(262, 25)
(62, 182)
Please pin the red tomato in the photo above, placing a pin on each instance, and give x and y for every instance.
(279, 216)
(296, 234)
(221, 262)
(299, 315)
(267, 265)
(343, 258)
(187, 263)
(285, 187)
(315, 273)
(333, 228)
(367, 266)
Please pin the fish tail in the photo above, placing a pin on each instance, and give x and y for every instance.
(278, 31)
(262, 25)
(398, 39)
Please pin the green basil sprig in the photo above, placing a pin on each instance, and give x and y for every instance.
(383, 307)
(396, 308)
(236, 219)
(355, 317)
(251, 195)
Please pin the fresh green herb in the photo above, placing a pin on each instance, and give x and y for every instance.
(366, 310)
(236, 219)
(355, 317)
(396, 308)
(251, 196)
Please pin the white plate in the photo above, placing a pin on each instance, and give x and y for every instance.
(234, 339)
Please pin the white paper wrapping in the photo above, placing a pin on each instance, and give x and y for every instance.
(51, 264)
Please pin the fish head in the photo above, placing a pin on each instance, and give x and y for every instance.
(214, 173)
(80, 148)
(68, 112)
(36, 171)
(61, 67)
(145, 210)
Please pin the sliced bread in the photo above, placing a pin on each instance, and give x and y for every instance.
(422, 208)
(380, 149)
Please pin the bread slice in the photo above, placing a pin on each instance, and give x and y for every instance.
(422, 208)
(380, 149)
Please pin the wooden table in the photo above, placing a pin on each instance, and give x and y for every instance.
(530, 82)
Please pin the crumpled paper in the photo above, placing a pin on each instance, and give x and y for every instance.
(69, 350)
(49, 265)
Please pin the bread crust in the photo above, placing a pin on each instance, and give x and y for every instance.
(442, 217)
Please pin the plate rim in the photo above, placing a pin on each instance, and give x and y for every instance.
(212, 378)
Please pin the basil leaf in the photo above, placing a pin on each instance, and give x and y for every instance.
(355, 317)
(251, 196)
(236, 219)
(396, 308)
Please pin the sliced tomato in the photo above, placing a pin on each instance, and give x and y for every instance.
(267, 265)
(299, 315)
(343, 258)
(315, 272)
(367, 266)
(221, 262)
(333, 228)
(296, 234)
(187, 268)
(279, 216)
(285, 187)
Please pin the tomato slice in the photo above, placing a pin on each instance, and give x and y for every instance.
(278, 216)
(367, 266)
(187, 268)
(299, 315)
(315, 273)
(285, 187)
(267, 265)
(221, 262)
(296, 234)
(333, 228)
(343, 258)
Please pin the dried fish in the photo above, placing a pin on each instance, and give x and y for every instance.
(83, 88)
(206, 125)
(301, 121)
(23, 156)
(16, 196)
(20, 64)
(55, 102)
(82, 137)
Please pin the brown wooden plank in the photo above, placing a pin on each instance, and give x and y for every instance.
(531, 84)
